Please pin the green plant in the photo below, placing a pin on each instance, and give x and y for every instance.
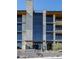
(57, 46)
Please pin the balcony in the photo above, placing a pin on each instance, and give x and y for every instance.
(49, 31)
(19, 40)
(58, 31)
(58, 36)
(58, 22)
(58, 39)
(49, 22)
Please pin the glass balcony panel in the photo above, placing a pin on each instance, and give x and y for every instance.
(58, 27)
(49, 27)
(49, 36)
(49, 18)
(58, 36)
(58, 18)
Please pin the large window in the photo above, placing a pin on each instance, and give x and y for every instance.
(49, 18)
(19, 36)
(19, 27)
(49, 27)
(19, 18)
(58, 18)
(49, 36)
(58, 36)
(38, 27)
(58, 27)
(19, 32)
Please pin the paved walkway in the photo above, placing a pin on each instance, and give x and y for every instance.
(43, 58)
(31, 53)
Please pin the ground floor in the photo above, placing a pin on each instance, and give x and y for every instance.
(48, 45)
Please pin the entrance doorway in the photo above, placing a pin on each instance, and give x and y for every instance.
(37, 45)
(49, 46)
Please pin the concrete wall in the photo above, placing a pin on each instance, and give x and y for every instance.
(44, 25)
(53, 32)
(44, 30)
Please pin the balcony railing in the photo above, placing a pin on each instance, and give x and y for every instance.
(58, 22)
(58, 31)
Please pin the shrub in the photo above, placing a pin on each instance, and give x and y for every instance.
(58, 46)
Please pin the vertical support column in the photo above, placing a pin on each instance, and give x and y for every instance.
(29, 22)
(54, 32)
(44, 30)
(23, 31)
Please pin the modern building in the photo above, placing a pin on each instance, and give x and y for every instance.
(44, 29)
(38, 30)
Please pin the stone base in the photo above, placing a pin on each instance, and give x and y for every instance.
(44, 46)
(29, 44)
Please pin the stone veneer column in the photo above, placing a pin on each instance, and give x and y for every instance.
(29, 22)
(23, 31)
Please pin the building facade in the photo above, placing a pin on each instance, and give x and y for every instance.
(38, 30)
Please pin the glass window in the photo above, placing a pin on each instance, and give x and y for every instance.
(58, 27)
(49, 27)
(19, 18)
(49, 18)
(19, 36)
(58, 36)
(19, 45)
(38, 27)
(49, 36)
(19, 27)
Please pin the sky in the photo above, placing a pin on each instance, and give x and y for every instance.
(50, 5)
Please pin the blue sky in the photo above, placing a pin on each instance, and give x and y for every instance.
(52, 5)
